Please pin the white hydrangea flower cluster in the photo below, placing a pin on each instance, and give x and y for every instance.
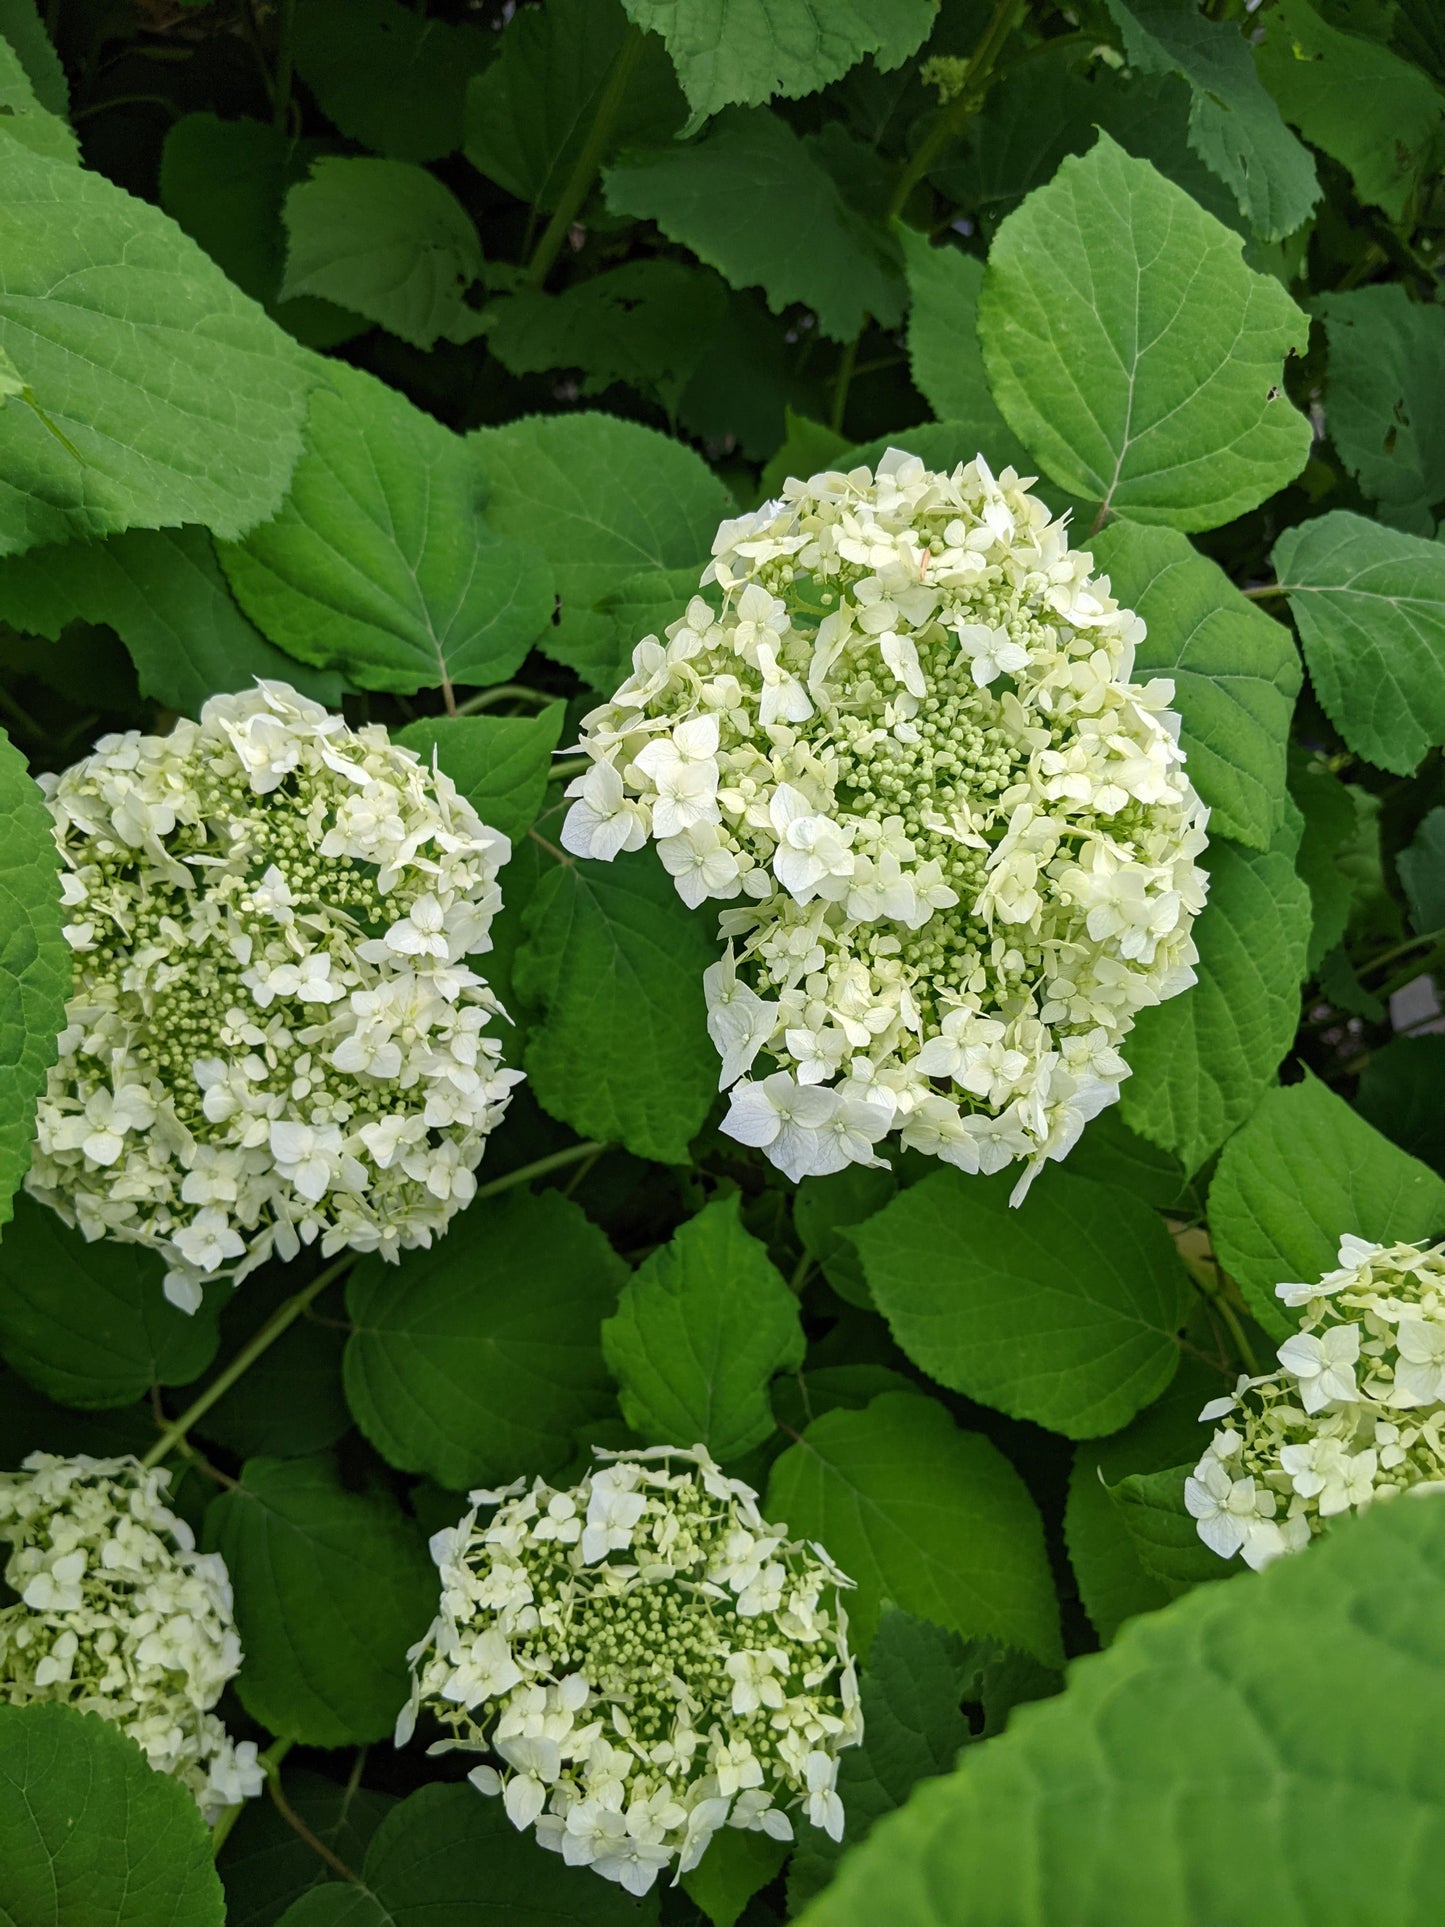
(1355, 1413)
(272, 1034)
(964, 843)
(648, 1659)
(119, 1615)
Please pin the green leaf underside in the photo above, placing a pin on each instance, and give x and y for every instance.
(917, 1512)
(381, 559)
(88, 1832)
(700, 1330)
(1095, 1807)
(34, 963)
(1201, 1061)
(1303, 1172)
(1131, 349)
(1065, 1313)
(1235, 671)
(499, 763)
(613, 965)
(182, 402)
(482, 1358)
(331, 1589)
(1370, 605)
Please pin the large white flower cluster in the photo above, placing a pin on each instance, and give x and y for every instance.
(648, 1660)
(1355, 1413)
(272, 1035)
(960, 839)
(119, 1615)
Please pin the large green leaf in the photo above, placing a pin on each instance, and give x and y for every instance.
(1386, 398)
(530, 116)
(1355, 100)
(731, 51)
(606, 500)
(499, 763)
(34, 963)
(700, 1330)
(1236, 673)
(1205, 1768)
(331, 1588)
(917, 1512)
(1066, 1313)
(1163, 1534)
(89, 1323)
(1234, 125)
(387, 76)
(1131, 349)
(265, 1864)
(1201, 1061)
(706, 196)
(89, 1833)
(482, 1358)
(387, 240)
(613, 964)
(163, 593)
(448, 1857)
(1370, 605)
(380, 562)
(179, 400)
(1303, 1172)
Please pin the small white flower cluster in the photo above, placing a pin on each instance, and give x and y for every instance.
(963, 838)
(272, 1035)
(1355, 1413)
(119, 1615)
(648, 1659)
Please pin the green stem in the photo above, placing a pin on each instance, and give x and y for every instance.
(965, 104)
(272, 1761)
(843, 380)
(505, 692)
(284, 1316)
(1266, 592)
(281, 91)
(271, 1758)
(541, 1167)
(1402, 950)
(589, 160)
(569, 767)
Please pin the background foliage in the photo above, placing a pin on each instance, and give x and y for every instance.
(412, 352)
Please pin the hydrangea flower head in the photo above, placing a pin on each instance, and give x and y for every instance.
(1355, 1413)
(645, 1658)
(119, 1615)
(957, 841)
(273, 1035)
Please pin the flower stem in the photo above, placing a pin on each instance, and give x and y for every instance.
(589, 159)
(272, 1762)
(505, 693)
(220, 1832)
(1264, 592)
(541, 1167)
(964, 105)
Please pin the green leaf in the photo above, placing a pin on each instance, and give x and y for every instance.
(1422, 873)
(1110, 1153)
(808, 448)
(700, 1330)
(1066, 1313)
(1134, 353)
(613, 962)
(943, 352)
(289, 1403)
(1330, 828)
(20, 24)
(387, 240)
(499, 763)
(825, 1211)
(734, 1865)
(745, 51)
(88, 1323)
(34, 963)
(706, 197)
(482, 1357)
(530, 116)
(916, 1512)
(163, 593)
(1303, 1172)
(331, 1588)
(380, 563)
(1201, 1061)
(598, 642)
(265, 1863)
(450, 1857)
(1234, 125)
(1196, 1771)
(1385, 398)
(1370, 606)
(1164, 1536)
(1399, 1093)
(23, 117)
(180, 401)
(648, 323)
(88, 1832)
(1235, 670)
(387, 77)
(607, 501)
(1355, 100)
